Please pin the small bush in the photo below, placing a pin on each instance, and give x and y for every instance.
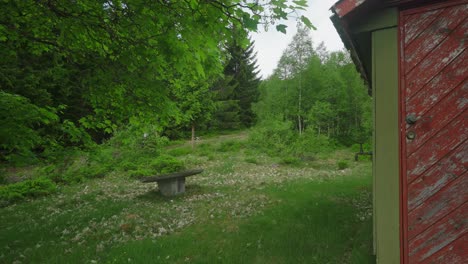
(145, 138)
(128, 166)
(273, 137)
(29, 188)
(19, 129)
(139, 173)
(166, 164)
(95, 171)
(310, 144)
(204, 146)
(230, 145)
(342, 164)
(177, 152)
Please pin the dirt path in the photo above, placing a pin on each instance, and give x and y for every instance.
(243, 135)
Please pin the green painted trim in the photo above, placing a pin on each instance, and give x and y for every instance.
(386, 145)
(381, 19)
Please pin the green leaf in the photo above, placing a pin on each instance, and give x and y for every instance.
(307, 22)
(300, 2)
(249, 23)
(281, 28)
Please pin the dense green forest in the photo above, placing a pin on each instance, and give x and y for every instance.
(314, 101)
(91, 87)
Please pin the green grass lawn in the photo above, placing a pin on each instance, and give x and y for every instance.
(245, 208)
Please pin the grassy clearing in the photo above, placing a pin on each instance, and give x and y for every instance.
(245, 208)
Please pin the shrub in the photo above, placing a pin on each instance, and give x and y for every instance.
(230, 145)
(310, 144)
(29, 188)
(94, 170)
(342, 164)
(19, 133)
(128, 165)
(274, 138)
(166, 164)
(204, 147)
(177, 152)
(139, 173)
(139, 137)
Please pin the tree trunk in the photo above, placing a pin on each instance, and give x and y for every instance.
(299, 119)
(193, 135)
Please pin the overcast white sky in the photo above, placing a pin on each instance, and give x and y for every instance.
(270, 45)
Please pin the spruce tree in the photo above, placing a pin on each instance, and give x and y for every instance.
(227, 111)
(243, 68)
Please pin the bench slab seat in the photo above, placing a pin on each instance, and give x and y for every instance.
(172, 183)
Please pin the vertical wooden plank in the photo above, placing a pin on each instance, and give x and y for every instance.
(386, 158)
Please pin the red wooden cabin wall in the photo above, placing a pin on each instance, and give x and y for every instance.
(434, 150)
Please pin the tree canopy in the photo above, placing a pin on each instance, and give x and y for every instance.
(90, 67)
(317, 92)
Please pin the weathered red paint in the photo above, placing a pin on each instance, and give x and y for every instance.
(450, 77)
(457, 252)
(437, 206)
(445, 171)
(437, 117)
(343, 7)
(451, 136)
(425, 65)
(418, 21)
(434, 87)
(424, 37)
(443, 233)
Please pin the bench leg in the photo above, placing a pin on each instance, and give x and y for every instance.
(181, 185)
(171, 187)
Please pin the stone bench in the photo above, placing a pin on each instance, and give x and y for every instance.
(173, 183)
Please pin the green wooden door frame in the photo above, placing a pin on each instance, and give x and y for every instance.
(386, 145)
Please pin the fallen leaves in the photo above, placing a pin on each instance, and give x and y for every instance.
(228, 190)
